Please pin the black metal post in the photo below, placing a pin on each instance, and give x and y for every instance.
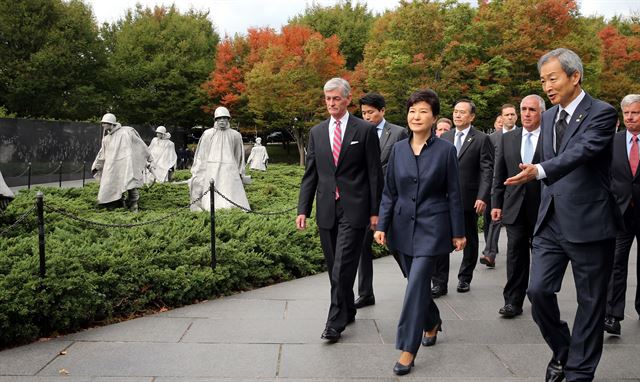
(60, 175)
(40, 212)
(29, 178)
(212, 205)
(84, 171)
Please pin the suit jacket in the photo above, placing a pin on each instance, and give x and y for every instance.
(625, 187)
(495, 138)
(578, 176)
(358, 174)
(421, 208)
(511, 199)
(475, 163)
(390, 135)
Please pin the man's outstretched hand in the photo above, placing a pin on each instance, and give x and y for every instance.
(529, 172)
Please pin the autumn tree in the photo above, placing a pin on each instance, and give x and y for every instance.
(620, 59)
(284, 86)
(158, 59)
(226, 84)
(350, 22)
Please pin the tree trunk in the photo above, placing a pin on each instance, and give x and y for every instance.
(300, 145)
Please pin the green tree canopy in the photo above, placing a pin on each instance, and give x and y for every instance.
(351, 23)
(51, 59)
(158, 59)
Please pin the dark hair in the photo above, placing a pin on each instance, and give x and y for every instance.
(373, 100)
(507, 106)
(470, 102)
(428, 96)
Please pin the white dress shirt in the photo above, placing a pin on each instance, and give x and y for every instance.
(343, 127)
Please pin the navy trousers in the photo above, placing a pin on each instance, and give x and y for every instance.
(419, 311)
(580, 350)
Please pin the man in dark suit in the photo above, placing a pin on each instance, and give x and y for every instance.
(491, 231)
(372, 106)
(578, 217)
(625, 184)
(517, 206)
(475, 157)
(344, 174)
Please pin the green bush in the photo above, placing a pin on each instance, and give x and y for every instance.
(98, 274)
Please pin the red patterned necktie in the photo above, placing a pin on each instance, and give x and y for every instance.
(633, 155)
(337, 145)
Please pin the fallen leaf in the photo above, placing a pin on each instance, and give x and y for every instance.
(63, 372)
(63, 352)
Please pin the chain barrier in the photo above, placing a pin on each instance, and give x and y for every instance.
(251, 211)
(78, 170)
(54, 171)
(122, 225)
(18, 221)
(24, 172)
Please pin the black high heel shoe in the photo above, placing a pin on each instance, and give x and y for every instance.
(400, 369)
(430, 341)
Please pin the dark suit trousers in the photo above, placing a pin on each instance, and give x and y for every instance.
(519, 236)
(491, 234)
(469, 258)
(470, 252)
(419, 311)
(365, 268)
(591, 264)
(617, 290)
(341, 246)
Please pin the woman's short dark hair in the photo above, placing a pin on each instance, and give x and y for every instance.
(428, 96)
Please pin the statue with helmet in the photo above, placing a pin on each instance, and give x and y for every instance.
(6, 195)
(164, 156)
(258, 158)
(120, 164)
(219, 156)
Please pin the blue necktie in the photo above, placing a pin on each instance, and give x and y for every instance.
(458, 143)
(527, 156)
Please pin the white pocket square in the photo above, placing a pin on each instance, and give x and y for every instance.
(354, 142)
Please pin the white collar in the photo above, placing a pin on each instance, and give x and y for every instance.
(343, 120)
(571, 108)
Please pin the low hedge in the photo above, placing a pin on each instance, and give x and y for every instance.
(97, 274)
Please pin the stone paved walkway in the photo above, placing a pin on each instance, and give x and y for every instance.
(273, 334)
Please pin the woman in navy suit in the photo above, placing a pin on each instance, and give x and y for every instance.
(421, 217)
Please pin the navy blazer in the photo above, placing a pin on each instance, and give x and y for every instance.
(577, 182)
(422, 212)
(625, 186)
(358, 174)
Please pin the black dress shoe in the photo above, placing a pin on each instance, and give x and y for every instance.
(400, 369)
(463, 287)
(510, 311)
(612, 325)
(351, 320)
(438, 290)
(330, 334)
(555, 371)
(430, 341)
(363, 301)
(488, 261)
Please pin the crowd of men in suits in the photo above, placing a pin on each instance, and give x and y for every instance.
(565, 189)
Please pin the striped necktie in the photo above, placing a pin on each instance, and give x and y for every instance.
(337, 142)
(337, 145)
